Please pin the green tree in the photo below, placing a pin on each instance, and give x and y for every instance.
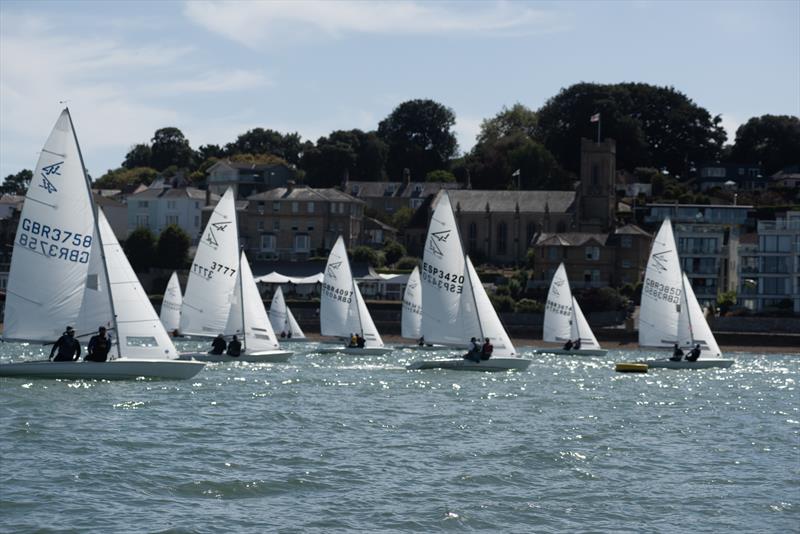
(407, 263)
(172, 249)
(771, 140)
(393, 251)
(402, 217)
(210, 152)
(517, 120)
(725, 301)
(261, 141)
(420, 137)
(170, 147)
(17, 184)
(140, 248)
(440, 176)
(121, 177)
(139, 156)
(367, 255)
(362, 156)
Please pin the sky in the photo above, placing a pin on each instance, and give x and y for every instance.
(217, 69)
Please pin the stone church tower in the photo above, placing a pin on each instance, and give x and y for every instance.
(597, 203)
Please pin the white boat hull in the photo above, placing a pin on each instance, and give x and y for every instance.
(267, 356)
(460, 364)
(355, 351)
(709, 363)
(122, 369)
(580, 352)
(427, 348)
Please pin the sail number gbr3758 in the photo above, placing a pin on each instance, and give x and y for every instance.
(451, 282)
(54, 242)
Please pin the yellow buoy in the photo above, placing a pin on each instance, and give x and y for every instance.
(631, 367)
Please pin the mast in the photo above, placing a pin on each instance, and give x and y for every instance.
(685, 309)
(574, 317)
(241, 289)
(97, 236)
(471, 290)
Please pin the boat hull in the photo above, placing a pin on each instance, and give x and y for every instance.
(270, 356)
(580, 352)
(355, 351)
(427, 348)
(459, 364)
(122, 369)
(709, 363)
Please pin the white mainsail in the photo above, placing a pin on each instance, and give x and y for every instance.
(171, 305)
(558, 309)
(485, 315)
(692, 325)
(342, 308)
(661, 292)
(580, 328)
(282, 318)
(248, 317)
(213, 277)
(411, 318)
(55, 234)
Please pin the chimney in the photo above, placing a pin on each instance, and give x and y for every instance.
(406, 176)
(469, 181)
(289, 188)
(208, 196)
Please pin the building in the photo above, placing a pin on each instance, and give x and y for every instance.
(709, 257)
(744, 177)
(769, 266)
(247, 179)
(389, 197)
(158, 207)
(116, 214)
(597, 201)
(298, 222)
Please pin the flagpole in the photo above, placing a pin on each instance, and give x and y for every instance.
(599, 122)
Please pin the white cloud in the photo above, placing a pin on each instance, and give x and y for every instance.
(255, 24)
(467, 130)
(731, 124)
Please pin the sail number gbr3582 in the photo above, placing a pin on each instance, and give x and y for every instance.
(451, 282)
(54, 242)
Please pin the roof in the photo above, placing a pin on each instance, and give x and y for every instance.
(397, 189)
(243, 165)
(304, 192)
(472, 200)
(169, 192)
(302, 268)
(632, 229)
(370, 222)
(569, 239)
(12, 199)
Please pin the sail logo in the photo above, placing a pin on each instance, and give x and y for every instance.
(556, 285)
(221, 226)
(211, 239)
(660, 261)
(54, 169)
(331, 268)
(436, 239)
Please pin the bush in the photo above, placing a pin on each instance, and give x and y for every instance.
(502, 291)
(602, 299)
(367, 255)
(502, 303)
(140, 248)
(393, 251)
(407, 263)
(173, 247)
(529, 306)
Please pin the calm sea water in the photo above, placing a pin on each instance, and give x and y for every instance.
(332, 443)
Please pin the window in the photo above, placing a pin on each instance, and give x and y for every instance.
(595, 174)
(276, 225)
(530, 231)
(592, 275)
(473, 236)
(626, 264)
(502, 238)
(260, 225)
(172, 219)
(553, 253)
(143, 204)
(142, 220)
(774, 286)
(268, 242)
(775, 264)
(626, 241)
(415, 203)
(302, 243)
(276, 206)
(310, 207)
(171, 204)
(593, 253)
(295, 207)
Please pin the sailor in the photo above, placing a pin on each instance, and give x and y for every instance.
(486, 350)
(283, 334)
(353, 340)
(694, 354)
(289, 335)
(677, 353)
(360, 341)
(577, 344)
(568, 345)
(69, 350)
(98, 347)
(421, 341)
(218, 346)
(234, 347)
(474, 351)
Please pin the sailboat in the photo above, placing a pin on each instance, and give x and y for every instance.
(411, 317)
(670, 313)
(564, 320)
(343, 311)
(222, 296)
(68, 268)
(283, 320)
(455, 305)
(171, 305)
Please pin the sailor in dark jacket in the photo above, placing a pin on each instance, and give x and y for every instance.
(98, 347)
(69, 350)
(218, 346)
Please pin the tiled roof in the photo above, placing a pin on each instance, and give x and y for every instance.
(570, 239)
(397, 189)
(507, 201)
(632, 229)
(304, 193)
(181, 192)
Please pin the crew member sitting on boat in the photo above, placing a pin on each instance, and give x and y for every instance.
(474, 351)
(694, 354)
(234, 347)
(67, 346)
(568, 345)
(577, 344)
(360, 341)
(218, 346)
(486, 350)
(353, 341)
(421, 341)
(98, 347)
(677, 353)
(283, 334)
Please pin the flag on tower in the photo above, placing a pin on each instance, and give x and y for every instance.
(595, 118)
(515, 173)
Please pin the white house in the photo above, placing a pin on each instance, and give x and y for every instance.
(157, 208)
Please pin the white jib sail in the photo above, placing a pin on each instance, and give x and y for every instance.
(139, 330)
(411, 318)
(581, 329)
(171, 305)
(281, 317)
(213, 276)
(443, 280)
(53, 243)
(692, 325)
(337, 295)
(368, 330)
(490, 325)
(558, 309)
(248, 317)
(661, 292)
